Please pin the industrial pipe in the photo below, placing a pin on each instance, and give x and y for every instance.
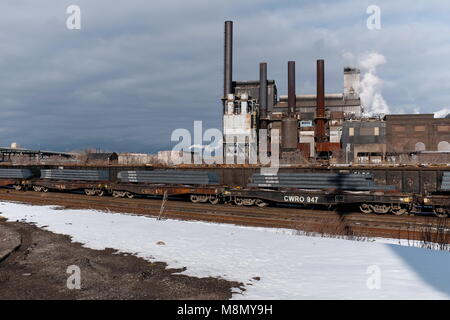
(291, 89)
(320, 99)
(263, 90)
(228, 59)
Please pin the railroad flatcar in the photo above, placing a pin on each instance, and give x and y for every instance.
(389, 191)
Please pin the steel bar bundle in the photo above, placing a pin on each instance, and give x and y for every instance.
(356, 182)
(16, 173)
(82, 175)
(169, 177)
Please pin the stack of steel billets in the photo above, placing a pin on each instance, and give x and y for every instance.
(169, 177)
(357, 182)
(82, 175)
(445, 185)
(16, 173)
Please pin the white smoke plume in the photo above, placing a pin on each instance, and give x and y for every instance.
(371, 84)
(442, 113)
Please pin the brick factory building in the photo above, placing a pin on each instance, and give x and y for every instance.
(416, 133)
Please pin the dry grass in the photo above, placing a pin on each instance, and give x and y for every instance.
(436, 235)
(330, 227)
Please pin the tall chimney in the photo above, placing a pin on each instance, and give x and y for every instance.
(320, 112)
(263, 90)
(228, 59)
(291, 89)
(289, 130)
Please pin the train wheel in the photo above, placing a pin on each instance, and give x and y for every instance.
(18, 187)
(214, 200)
(398, 211)
(194, 198)
(100, 193)
(261, 203)
(381, 208)
(44, 189)
(238, 201)
(440, 212)
(365, 208)
(248, 202)
(130, 195)
(118, 194)
(89, 192)
(37, 188)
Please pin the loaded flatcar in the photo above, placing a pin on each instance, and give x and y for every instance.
(92, 182)
(16, 178)
(326, 189)
(200, 186)
(372, 191)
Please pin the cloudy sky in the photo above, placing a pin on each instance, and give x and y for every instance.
(139, 69)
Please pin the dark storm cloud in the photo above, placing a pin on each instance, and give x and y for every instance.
(139, 69)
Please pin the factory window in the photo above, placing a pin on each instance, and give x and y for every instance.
(399, 128)
(443, 146)
(420, 146)
(443, 128)
(306, 123)
(251, 106)
(351, 132)
(363, 157)
(419, 128)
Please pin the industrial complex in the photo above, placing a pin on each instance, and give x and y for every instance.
(263, 190)
(311, 128)
(322, 139)
(331, 126)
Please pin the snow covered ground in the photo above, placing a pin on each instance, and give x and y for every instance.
(289, 266)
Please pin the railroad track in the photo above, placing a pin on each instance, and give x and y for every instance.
(321, 221)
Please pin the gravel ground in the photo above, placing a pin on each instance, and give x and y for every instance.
(38, 270)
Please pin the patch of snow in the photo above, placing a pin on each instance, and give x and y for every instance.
(289, 266)
(442, 113)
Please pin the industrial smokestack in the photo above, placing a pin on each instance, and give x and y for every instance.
(263, 90)
(289, 130)
(291, 89)
(228, 59)
(320, 111)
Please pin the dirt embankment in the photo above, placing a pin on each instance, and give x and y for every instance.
(38, 270)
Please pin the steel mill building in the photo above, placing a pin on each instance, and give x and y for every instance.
(323, 125)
